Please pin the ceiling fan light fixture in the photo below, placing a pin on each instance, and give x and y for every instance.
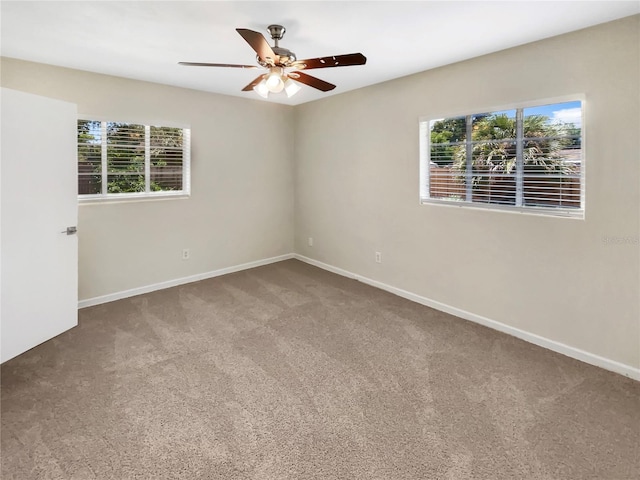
(291, 87)
(277, 59)
(262, 89)
(274, 81)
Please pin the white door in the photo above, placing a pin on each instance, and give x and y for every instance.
(39, 263)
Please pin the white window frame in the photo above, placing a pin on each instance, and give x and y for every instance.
(425, 148)
(147, 194)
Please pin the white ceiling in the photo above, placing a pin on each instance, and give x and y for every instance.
(144, 40)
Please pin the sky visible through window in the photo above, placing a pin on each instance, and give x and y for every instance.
(567, 112)
(94, 131)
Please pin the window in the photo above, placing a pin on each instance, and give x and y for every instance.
(124, 160)
(527, 159)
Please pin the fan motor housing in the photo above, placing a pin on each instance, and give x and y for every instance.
(286, 56)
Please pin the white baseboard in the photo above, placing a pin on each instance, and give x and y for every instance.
(179, 281)
(590, 358)
(553, 345)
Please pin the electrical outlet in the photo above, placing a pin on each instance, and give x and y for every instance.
(186, 254)
(310, 241)
(378, 257)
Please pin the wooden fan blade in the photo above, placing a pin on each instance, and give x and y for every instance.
(230, 65)
(256, 81)
(311, 81)
(259, 44)
(335, 61)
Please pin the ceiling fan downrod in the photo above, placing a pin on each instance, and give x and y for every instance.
(286, 56)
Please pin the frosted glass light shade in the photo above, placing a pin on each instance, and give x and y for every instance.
(262, 89)
(291, 88)
(275, 84)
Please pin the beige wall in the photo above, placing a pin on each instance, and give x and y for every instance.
(357, 192)
(241, 207)
(354, 186)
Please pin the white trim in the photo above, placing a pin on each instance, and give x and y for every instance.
(186, 161)
(558, 347)
(576, 214)
(104, 163)
(131, 197)
(147, 159)
(576, 353)
(424, 176)
(89, 302)
(325, 266)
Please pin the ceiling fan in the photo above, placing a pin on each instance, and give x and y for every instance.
(284, 70)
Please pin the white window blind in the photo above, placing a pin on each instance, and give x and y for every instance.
(528, 159)
(132, 160)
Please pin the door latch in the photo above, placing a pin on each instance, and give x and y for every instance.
(70, 230)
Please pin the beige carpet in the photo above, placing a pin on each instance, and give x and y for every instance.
(290, 372)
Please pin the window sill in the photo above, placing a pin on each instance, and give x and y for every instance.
(575, 214)
(129, 198)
